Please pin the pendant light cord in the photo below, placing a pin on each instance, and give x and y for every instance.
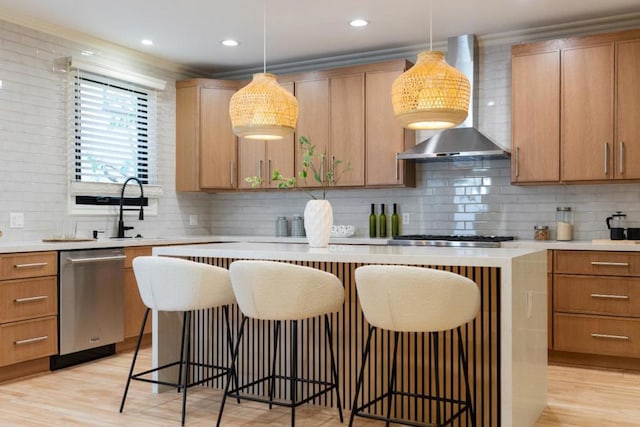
(264, 36)
(430, 24)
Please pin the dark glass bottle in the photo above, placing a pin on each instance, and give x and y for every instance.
(383, 222)
(373, 222)
(395, 225)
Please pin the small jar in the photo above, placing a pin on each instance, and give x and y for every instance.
(564, 223)
(297, 226)
(540, 232)
(282, 227)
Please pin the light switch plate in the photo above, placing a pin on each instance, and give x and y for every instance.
(406, 218)
(193, 219)
(16, 220)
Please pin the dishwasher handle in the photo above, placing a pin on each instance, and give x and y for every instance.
(91, 260)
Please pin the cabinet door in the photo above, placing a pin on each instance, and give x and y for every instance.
(587, 112)
(627, 144)
(535, 126)
(313, 119)
(347, 127)
(251, 161)
(217, 141)
(385, 137)
(280, 153)
(187, 134)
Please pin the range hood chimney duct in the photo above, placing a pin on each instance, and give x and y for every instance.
(464, 140)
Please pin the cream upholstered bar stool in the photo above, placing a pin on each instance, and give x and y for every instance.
(178, 285)
(278, 292)
(415, 299)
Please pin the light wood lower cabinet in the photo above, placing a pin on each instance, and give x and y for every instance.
(598, 335)
(28, 307)
(596, 308)
(133, 306)
(28, 340)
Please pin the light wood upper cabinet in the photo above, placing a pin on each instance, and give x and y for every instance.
(627, 142)
(535, 117)
(331, 115)
(599, 96)
(261, 158)
(347, 127)
(313, 118)
(587, 113)
(205, 143)
(345, 112)
(385, 138)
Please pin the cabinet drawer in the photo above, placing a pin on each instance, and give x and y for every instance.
(597, 263)
(19, 266)
(597, 335)
(135, 251)
(617, 296)
(28, 298)
(31, 339)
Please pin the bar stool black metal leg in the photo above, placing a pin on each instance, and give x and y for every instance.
(272, 374)
(334, 369)
(233, 367)
(465, 371)
(294, 369)
(232, 373)
(365, 356)
(434, 336)
(392, 376)
(135, 356)
(184, 325)
(185, 383)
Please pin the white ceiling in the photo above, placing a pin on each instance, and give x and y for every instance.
(188, 32)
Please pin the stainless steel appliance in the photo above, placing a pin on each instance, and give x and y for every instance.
(449, 240)
(91, 304)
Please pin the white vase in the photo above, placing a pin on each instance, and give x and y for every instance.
(318, 220)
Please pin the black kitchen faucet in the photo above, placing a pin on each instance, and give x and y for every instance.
(121, 227)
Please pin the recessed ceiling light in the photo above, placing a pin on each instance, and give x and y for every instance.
(359, 23)
(87, 53)
(229, 42)
(147, 42)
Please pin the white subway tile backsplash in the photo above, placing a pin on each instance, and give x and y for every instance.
(34, 141)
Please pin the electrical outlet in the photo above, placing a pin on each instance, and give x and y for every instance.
(406, 219)
(193, 219)
(16, 220)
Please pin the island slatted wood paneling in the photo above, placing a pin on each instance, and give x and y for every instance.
(481, 338)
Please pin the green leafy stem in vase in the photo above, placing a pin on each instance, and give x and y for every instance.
(312, 167)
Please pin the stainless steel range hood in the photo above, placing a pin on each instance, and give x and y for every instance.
(464, 140)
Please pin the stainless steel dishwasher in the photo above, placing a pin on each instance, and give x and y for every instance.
(91, 305)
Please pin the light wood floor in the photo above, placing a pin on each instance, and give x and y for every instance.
(89, 395)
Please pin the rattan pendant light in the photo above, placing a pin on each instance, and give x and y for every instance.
(263, 109)
(431, 94)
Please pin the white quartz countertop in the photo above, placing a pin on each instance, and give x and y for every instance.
(40, 246)
(480, 257)
(576, 245)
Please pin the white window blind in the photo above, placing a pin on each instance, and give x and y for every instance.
(113, 129)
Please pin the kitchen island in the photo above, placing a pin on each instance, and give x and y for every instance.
(506, 343)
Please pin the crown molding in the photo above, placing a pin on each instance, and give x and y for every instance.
(94, 43)
(576, 28)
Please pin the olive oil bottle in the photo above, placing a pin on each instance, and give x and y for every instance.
(395, 224)
(373, 222)
(383, 222)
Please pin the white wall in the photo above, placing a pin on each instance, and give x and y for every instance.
(33, 142)
(452, 197)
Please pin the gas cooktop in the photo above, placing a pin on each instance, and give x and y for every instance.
(449, 240)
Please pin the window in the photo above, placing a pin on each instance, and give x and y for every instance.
(113, 130)
(112, 135)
